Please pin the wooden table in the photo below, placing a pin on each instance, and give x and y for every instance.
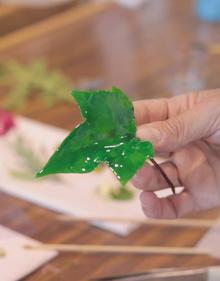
(147, 52)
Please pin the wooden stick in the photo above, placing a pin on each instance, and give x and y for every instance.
(51, 24)
(176, 223)
(114, 249)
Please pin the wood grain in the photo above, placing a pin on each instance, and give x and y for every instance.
(16, 17)
(49, 25)
(144, 52)
(6, 10)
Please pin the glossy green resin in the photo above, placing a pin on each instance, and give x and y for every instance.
(106, 135)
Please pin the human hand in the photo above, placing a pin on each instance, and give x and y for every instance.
(187, 127)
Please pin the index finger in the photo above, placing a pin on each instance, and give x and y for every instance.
(152, 110)
(147, 111)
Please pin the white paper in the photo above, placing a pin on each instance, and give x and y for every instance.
(76, 194)
(211, 240)
(18, 261)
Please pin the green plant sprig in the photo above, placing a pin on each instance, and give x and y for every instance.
(25, 79)
(31, 162)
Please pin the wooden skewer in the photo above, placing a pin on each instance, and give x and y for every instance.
(114, 249)
(177, 222)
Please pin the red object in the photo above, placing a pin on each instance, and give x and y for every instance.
(7, 122)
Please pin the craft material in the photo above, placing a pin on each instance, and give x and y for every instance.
(74, 194)
(107, 135)
(7, 122)
(119, 193)
(31, 161)
(169, 274)
(24, 80)
(200, 223)
(118, 249)
(16, 263)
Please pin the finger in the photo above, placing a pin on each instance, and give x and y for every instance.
(147, 111)
(153, 110)
(150, 178)
(170, 207)
(175, 132)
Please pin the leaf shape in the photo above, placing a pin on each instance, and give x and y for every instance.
(106, 135)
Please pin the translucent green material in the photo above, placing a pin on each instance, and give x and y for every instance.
(107, 135)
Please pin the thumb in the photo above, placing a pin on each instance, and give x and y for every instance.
(177, 131)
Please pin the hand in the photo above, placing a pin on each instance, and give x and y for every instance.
(186, 127)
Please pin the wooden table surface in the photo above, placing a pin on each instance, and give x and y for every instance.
(152, 51)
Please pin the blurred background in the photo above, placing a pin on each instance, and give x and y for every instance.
(147, 48)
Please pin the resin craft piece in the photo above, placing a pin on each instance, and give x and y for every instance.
(107, 135)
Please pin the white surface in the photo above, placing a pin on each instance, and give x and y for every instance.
(19, 262)
(211, 241)
(77, 194)
(214, 273)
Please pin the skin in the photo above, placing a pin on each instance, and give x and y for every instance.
(187, 129)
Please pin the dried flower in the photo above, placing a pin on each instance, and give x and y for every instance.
(7, 122)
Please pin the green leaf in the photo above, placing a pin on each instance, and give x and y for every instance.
(107, 135)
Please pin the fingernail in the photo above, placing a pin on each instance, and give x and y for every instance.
(151, 134)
